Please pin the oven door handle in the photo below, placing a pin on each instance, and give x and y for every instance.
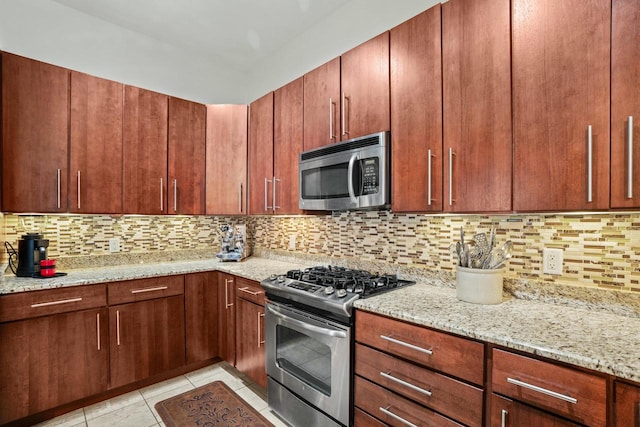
(306, 326)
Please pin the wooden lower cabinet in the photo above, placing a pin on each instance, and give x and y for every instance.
(201, 316)
(146, 338)
(250, 352)
(627, 405)
(52, 360)
(227, 318)
(510, 413)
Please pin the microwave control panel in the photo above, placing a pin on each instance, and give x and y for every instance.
(370, 175)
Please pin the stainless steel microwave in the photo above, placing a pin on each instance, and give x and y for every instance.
(353, 174)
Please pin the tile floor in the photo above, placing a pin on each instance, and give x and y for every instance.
(136, 409)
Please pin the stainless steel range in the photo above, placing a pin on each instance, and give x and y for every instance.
(309, 342)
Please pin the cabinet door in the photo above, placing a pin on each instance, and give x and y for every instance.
(250, 356)
(261, 155)
(322, 105)
(416, 114)
(365, 88)
(287, 145)
(227, 318)
(96, 145)
(627, 405)
(625, 104)
(62, 358)
(35, 120)
(561, 87)
(146, 338)
(226, 165)
(201, 313)
(145, 151)
(187, 121)
(477, 105)
(509, 413)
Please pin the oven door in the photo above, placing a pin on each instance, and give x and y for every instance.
(311, 357)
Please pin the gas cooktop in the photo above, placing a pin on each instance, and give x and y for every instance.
(330, 288)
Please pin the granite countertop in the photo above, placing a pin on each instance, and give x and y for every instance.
(604, 342)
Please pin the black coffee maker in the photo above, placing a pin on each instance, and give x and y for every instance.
(32, 248)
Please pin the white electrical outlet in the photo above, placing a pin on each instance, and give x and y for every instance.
(114, 244)
(552, 261)
(292, 242)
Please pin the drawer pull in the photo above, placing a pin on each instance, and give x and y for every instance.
(503, 418)
(62, 301)
(226, 294)
(118, 327)
(397, 417)
(406, 344)
(388, 376)
(246, 289)
(98, 328)
(543, 391)
(139, 291)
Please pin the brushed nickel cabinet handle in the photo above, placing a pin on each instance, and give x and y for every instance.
(260, 340)
(273, 188)
(98, 328)
(543, 390)
(62, 301)
(429, 198)
(503, 418)
(331, 119)
(630, 157)
(175, 195)
(140, 291)
(226, 293)
(78, 189)
(266, 203)
(451, 154)
(58, 188)
(118, 327)
(413, 387)
(240, 198)
(406, 344)
(589, 163)
(397, 417)
(246, 289)
(161, 196)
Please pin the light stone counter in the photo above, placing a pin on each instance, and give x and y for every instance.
(251, 268)
(604, 342)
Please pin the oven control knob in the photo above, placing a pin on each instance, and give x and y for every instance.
(329, 290)
(341, 293)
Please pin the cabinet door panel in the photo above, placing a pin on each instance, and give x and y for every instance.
(96, 145)
(201, 307)
(322, 105)
(187, 121)
(227, 317)
(416, 113)
(287, 145)
(365, 88)
(145, 151)
(226, 168)
(477, 105)
(261, 155)
(627, 405)
(250, 357)
(509, 413)
(63, 358)
(625, 102)
(561, 85)
(146, 338)
(35, 120)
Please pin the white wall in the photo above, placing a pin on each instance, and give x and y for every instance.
(50, 32)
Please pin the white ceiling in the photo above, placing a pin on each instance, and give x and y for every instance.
(211, 51)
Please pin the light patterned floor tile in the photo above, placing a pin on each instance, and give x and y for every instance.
(218, 374)
(152, 400)
(72, 419)
(251, 398)
(113, 404)
(137, 414)
(165, 386)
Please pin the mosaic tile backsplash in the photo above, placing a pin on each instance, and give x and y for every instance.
(600, 250)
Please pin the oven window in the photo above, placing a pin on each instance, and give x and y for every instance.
(305, 358)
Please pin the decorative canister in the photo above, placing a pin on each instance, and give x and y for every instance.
(479, 286)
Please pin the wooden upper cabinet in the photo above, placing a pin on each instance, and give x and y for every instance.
(416, 114)
(477, 105)
(365, 88)
(260, 164)
(287, 145)
(226, 164)
(35, 120)
(145, 151)
(625, 104)
(187, 121)
(561, 87)
(95, 182)
(322, 105)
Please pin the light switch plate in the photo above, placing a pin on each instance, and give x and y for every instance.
(552, 261)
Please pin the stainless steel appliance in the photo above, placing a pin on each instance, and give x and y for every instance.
(353, 174)
(309, 341)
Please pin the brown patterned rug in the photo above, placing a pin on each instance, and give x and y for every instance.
(214, 404)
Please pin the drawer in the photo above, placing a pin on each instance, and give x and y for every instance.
(145, 289)
(25, 305)
(393, 409)
(510, 413)
(249, 290)
(568, 392)
(362, 419)
(455, 356)
(439, 392)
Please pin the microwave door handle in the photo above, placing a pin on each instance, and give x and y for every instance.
(352, 193)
